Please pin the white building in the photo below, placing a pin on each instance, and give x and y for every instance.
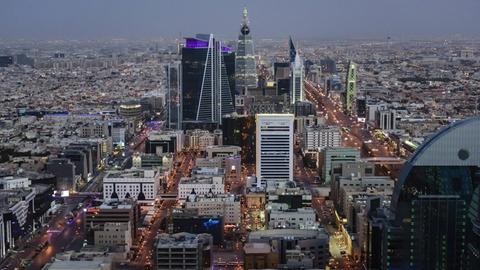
(296, 80)
(11, 182)
(225, 205)
(274, 147)
(317, 138)
(114, 234)
(301, 218)
(139, 184)
(201, 185)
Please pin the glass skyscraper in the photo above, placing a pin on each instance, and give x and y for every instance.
(245, 66)
(206, 83)
(436, 201)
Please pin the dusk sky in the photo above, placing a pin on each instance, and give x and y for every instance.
(150, 19)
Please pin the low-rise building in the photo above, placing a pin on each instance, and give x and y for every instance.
(200, 185)
(114, 234)
(139, 184)
(225, 205)
(183, 251)
(285, 240)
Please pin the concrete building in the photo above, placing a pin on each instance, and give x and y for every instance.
(225, 205)
(182, 251)
(139, 184)
(301, 218)
(284, 240)
(114, 234)
(260, 256)
(111, 211)
(222, 150)
(386, 120)
(11, 182)
(316, 138)
(201, 185)
(336, 155)
(274, 143)
(64, 171)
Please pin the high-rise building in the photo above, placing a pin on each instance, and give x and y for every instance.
(350, 94)
(292, 50)
(245, 66)
(274, 143)
(436, 201)
(207, 92)
(296, 80)
(174, 86)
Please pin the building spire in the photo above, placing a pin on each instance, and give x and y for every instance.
(245, 16)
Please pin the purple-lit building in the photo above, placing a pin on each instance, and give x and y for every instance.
(208, 83)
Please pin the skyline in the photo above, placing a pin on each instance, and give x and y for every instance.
(84, 20)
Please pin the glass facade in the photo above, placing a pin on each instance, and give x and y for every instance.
(436, 202)
(207, 81)
(245, 66)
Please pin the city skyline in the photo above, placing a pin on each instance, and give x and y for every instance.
(54, 19)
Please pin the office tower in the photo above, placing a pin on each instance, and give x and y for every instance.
(350, 94)
(435, 201)
(296, 80)
(292, 50)
(274, 144)
(174, 90)
(245, 66)
(206, 90)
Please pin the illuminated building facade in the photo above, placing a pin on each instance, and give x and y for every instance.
(245, 66)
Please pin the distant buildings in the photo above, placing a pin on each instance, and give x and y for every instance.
(207, 92)
(174, 90)
(350, 94)
(245, 66)
(274, 147)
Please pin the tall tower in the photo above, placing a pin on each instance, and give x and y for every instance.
(173, 78)
(296, 80)
(436, 201)
(292, 50)
(350, 94)
(206, 88)
(245, 66)
(274, 147)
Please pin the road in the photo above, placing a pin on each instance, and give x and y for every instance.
(142, 259)
(354, 134)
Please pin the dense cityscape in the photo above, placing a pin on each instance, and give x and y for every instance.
(203, 152)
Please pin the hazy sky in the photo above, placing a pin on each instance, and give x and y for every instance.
(150, 19)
